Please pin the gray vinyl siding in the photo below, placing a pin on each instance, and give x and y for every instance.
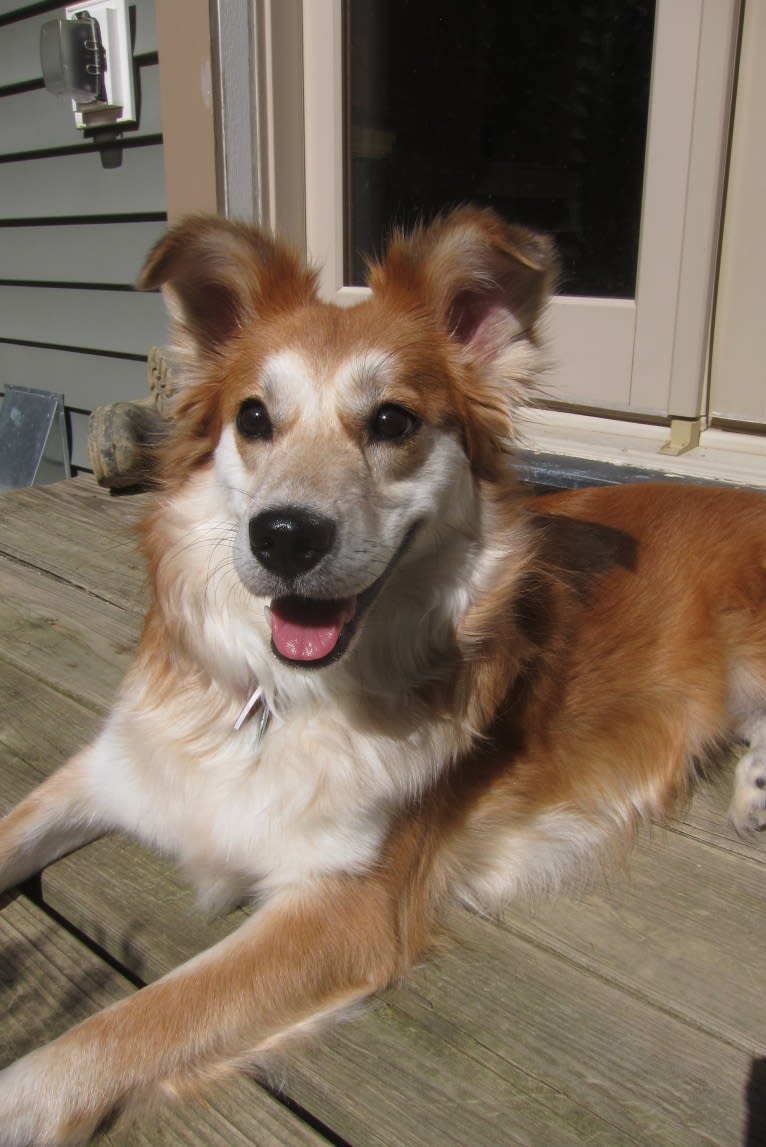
(74, 229)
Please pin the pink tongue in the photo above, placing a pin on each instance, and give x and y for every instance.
(309, 631)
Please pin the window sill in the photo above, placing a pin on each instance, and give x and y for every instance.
(564, 449)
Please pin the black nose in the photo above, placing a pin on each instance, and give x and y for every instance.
(291, 540)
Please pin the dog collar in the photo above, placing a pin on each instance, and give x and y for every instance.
(255, 701)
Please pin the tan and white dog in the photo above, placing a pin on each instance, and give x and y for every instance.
(372, 677)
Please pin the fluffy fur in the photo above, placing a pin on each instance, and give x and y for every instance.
(465, 694)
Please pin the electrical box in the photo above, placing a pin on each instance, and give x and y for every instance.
(88, 56)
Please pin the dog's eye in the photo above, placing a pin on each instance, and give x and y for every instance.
(253, 420)
(393, 423)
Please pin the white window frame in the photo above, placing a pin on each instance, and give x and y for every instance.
(738, 370)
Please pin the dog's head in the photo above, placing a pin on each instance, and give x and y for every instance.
(349, 443)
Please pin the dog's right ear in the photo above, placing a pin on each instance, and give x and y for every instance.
(487, 280)
(218, 276)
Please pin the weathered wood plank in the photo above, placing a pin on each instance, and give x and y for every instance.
(397, 1076)
(657, 1079)
(130, 901)
(39, 729)
(504, 1045)
(83, 505)
(507, 1032)
(58, 636)
(56, 528)
(49, 981)
(684, 927)
(706, 821)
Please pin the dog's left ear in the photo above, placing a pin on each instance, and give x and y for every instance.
(487, 282)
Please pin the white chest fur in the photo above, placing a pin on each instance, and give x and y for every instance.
(242, 812)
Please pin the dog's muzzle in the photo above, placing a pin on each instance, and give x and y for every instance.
(290, 542)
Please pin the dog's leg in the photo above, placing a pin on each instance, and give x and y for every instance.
(57, 817)
(747, 811)
(306, 954)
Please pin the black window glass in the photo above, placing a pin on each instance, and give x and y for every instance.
(535, 107)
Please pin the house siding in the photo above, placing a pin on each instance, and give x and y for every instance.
(78, 212)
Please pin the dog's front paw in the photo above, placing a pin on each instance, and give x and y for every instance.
(747, 811)
(34, 1112)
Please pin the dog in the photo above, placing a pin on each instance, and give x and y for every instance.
(376, 677)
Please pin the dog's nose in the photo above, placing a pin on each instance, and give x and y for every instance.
(291, 540)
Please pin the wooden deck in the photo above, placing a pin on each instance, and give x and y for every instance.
(634, 1014)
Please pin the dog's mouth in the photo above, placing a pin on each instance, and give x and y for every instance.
(313, 632)
(310, 631)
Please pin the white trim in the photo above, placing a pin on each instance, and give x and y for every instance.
(666, 171)
(350, 296)
(590, 343)
(323, 115)
(716, 71)
(738, 386)
(721, 455)
(692, 74)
